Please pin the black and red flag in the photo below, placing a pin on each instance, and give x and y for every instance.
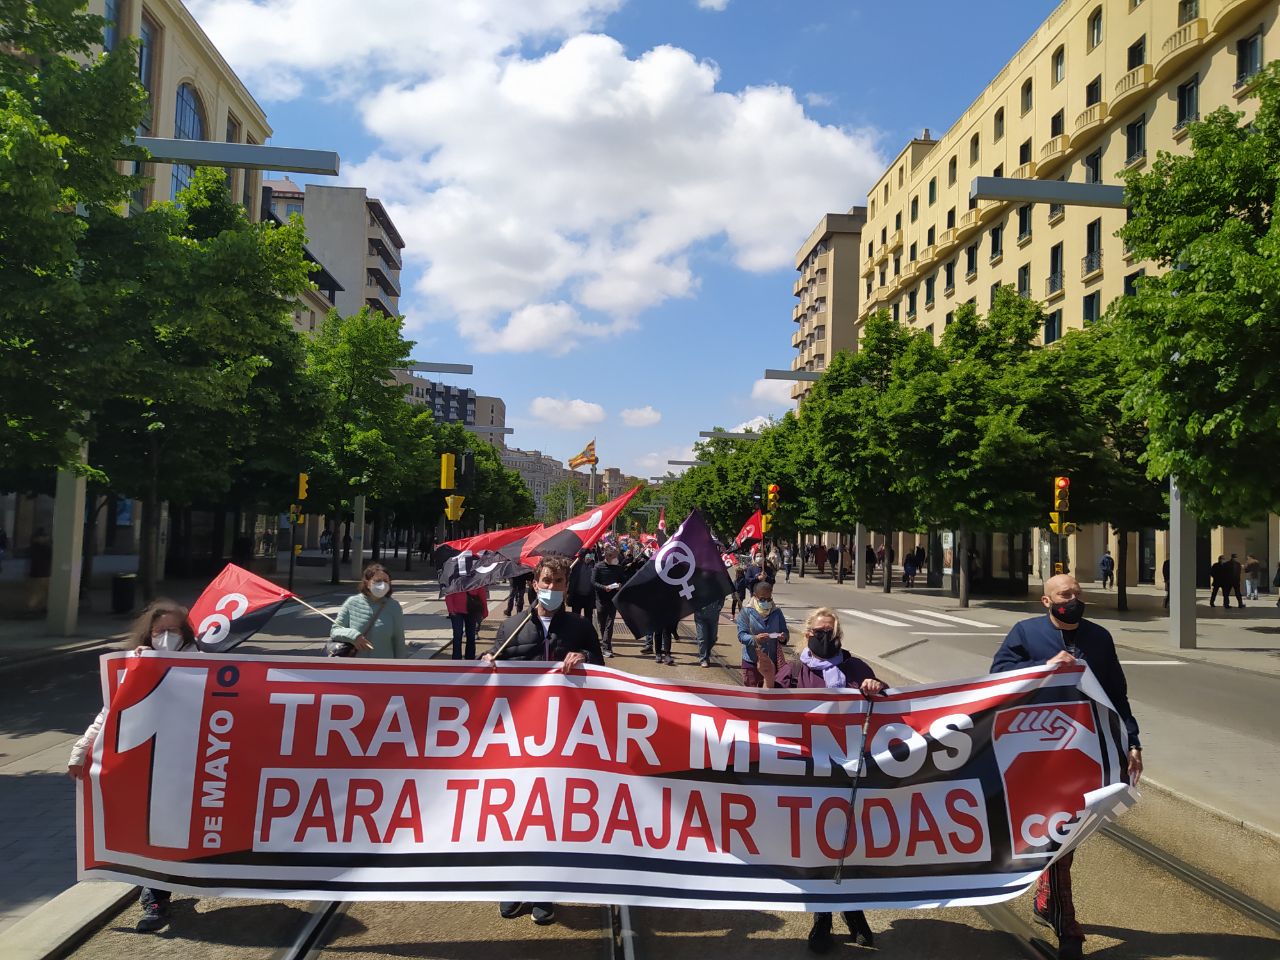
(493, 540)
(684, 575)
(235, 606)
(576, 533)
(751, 533)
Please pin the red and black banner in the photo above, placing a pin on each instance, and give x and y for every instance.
(493, 540)
(575, 534)
(235, 606)
(752, 532)
(300, 778)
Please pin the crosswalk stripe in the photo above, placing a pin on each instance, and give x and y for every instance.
(872, 617)
(911, 616)
(967, 623)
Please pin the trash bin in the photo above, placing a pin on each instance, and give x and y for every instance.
(123, 588)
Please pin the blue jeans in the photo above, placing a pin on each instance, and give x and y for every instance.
(462, 623)
(707, 623)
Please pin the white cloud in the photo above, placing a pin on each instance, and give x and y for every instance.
(755, 423)
(545, 181)
(655, 464)
(566, 414)
(713, 4)
(819, 99)
(644, 416)
(773, 392)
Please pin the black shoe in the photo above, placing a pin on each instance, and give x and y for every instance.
(859, 929)
(155, 916)
(510, 909)
(1071, 949)
(544, 913)
(820, 935)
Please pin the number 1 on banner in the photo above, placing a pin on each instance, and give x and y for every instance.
(169, 719)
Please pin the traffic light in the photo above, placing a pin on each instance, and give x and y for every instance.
(766, 522)
(467, 472)
(453, 506)
(302, 486)
(1062, 494)
(448, 472)
(774, 495)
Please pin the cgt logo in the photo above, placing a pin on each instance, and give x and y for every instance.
(1049, 758)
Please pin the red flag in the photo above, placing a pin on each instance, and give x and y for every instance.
(750, 533)
(662, 519)
(576, 533)
(649, 540)
(235, 606)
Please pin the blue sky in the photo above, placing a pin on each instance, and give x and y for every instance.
(601, 198)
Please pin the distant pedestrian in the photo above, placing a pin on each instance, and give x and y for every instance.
(607, 577)
(787, 558)
(582, 592)
(1107, 569)
(1275, 582)
(1164, 572)
(909, 570)
(871, 562)
(1235, 573)
(1219, 573)
(820, 557)
(1252, 573)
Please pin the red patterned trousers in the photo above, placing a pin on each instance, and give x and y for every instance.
(1053, 900)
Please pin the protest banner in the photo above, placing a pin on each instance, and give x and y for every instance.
(405, 780)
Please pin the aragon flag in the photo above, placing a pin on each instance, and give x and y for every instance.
(684, 575)
(576, 533)
(586, 458)
(751, 533)
(235, 606)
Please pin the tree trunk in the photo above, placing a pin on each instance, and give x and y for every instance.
(888, 563)
(839, 553)
(409, 542)
(89, 545)
(1122, 569)
(961, 561)
(335, 545)
(376, 555)
(149, 548)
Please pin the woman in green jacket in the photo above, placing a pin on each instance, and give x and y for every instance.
(372, 620)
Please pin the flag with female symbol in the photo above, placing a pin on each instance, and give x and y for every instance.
(685, 574)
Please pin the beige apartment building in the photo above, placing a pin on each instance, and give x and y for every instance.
(828, 311)
(1097, 89)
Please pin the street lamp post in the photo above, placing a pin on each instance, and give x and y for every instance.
(1182, 524)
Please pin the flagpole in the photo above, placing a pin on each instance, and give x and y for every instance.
(314, 609)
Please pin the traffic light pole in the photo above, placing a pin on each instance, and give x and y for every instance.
(293, 550)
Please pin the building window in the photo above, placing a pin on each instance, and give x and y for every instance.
(1024, 152)
(971, 261)
(997, 242)
(975, 150)
(911, 304)
(928, 290)
(870, 248)
(949, 277)
(1057, 124)
(1188, 10)
(1053, 326)
(998, 171)
(147, 35)
(1188, 102)
(915, 209)
(868, 286)
(951, 172)
(1024, 222)
(995, 289)
(1093, 92)
(1056, 210)
(931, 237)
(911, 254)
(897, 266)
(885, 196)
(1026, 95)
(947, 320)
(1135, 140)
(1095, 28)
(1024, 281)
(933, 190)
(951, 218)
(111, 29)
(1131, 282)
(883, 276)
(1059, 65)
(1138, 53)
(884, 236)
(1092, 307)
(1054, 283)
(895, 312)
(1093, 167)
(188, 124)
(1248, 58)
(998, 125)
(897, 220)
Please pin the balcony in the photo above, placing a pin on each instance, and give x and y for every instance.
(948, 239)
(392, 274)
(1089, 122)
(797, 288)
(908, 272)
(1228, 13)
(1025, 172)
(1133, 84)
(818, 290)
(1091, 266)
(1053, 287)
(928, 254)
(868, 267)
(377, 275)
(796, 313)
(989, 209)
(1054, 152)
(1183, 44)
(797, 338)
(969, 224)
(895, 241)
(882, 255)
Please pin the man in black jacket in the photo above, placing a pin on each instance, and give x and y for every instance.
(547, 632)
(582, 592)
(608, 576)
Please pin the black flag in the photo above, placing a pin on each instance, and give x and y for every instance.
(684, 575)
(466, 571)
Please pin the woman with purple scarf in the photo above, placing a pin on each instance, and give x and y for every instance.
(824, 664)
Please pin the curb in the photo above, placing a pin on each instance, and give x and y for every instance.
(56, 928)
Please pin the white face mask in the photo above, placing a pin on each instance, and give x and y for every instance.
(169, 640)
(379, 588)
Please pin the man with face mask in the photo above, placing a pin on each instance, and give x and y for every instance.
(607, 577)
(1064, 636)
(547, 632)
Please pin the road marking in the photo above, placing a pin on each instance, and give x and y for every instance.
(911, 616)
(872, 617)
(1154, 663)
(960, 633)
(967, 623)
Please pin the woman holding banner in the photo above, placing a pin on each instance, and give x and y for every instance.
(823, 663)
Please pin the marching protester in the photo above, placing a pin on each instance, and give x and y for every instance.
(582, 592)
(164, 626)
(607, 577)
(762, 630)
(824, 664)
(706, 621)
(520, 586)
(788, 558)
(1064, 636)
(1107, 569)
(547, 632)
(467, 609)
(371, 620)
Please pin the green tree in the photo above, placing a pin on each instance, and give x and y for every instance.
(1203, 337)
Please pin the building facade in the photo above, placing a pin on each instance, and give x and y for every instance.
(1097, 89)
(539, 472)
(491, 413)
(828, 311)
(353, 236)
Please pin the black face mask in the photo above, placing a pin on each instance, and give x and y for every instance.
(824, 644)
(1069, 611)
